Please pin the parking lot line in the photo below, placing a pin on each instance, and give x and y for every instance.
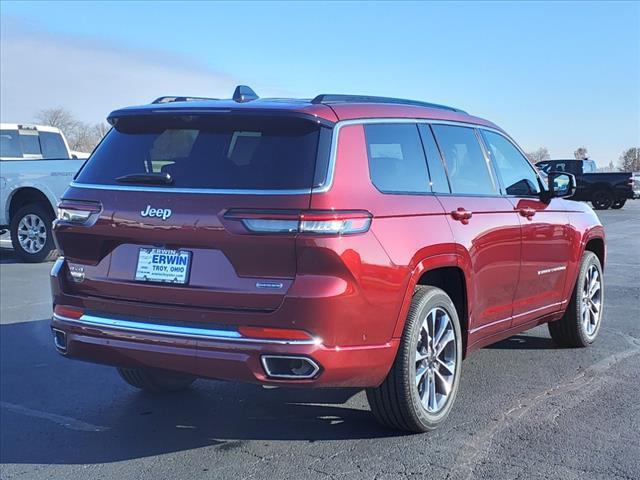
(66, 422)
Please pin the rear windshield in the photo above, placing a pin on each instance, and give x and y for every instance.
(240, 153)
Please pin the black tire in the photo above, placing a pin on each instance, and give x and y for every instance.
(396, 403)
(602, 199)
(155, 381)
(42, 252)
(619, 203)
(571, 329)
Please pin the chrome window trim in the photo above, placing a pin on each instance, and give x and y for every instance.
(305, 191)
(368, 121)
(175, 330)
(135, 188)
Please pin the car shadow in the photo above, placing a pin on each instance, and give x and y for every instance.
(524, 342)
(7, 255)
(59, 411)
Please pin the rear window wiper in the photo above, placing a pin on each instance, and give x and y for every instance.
(149, 178)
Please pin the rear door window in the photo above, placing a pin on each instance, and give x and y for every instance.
(439, 183)
(396, 158)
(231, 152)
(467, 167)
(10, 144)
(30, 143)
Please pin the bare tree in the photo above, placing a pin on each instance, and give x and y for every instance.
(539, 155)
(581, 153)
(58, 117)
(630, 160)
(81, 136)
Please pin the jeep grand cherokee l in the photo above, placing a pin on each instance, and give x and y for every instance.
(343, 241)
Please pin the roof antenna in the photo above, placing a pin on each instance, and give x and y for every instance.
(243, 94)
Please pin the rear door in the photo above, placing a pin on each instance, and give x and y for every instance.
(178, 192)
(485, 227)
(546, 233)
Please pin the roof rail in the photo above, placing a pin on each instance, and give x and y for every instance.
(336, 98)
(171, 99)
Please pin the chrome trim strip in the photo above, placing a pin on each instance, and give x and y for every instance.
(305, 191)
(175, 330)
(367, 121)
(135, 188)
(315, 366)
(511, 318)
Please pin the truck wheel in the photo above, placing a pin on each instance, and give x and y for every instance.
(155, 381)
(602, 199)
(31, 233)
(581, 322)
(619, 203)
(421, 387)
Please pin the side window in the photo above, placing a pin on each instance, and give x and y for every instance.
(588, 166)
(10, 144)
(466, 165)
(517, 174)
(52, 145)
(30, 142)
(439, 183)
(544, 167)
(396, 158)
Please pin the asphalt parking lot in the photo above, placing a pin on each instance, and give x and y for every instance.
(526, 409)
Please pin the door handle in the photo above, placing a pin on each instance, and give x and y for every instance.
(527, 212)
(462, 215)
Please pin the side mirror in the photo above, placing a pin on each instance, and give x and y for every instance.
(561, 185)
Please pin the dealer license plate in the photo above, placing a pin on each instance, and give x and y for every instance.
(161, 265)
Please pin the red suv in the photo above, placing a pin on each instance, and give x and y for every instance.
(344, 241)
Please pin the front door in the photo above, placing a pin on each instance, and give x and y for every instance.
(546, 233)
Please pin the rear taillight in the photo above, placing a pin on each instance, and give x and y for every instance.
(77, 212)
(316, 222)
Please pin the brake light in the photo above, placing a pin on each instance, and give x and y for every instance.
(77, 212)
(316, 222)
(68, 312)
(274, 333)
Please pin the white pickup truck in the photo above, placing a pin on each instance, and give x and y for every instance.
(36, 167)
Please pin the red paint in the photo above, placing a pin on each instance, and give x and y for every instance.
(352, 292)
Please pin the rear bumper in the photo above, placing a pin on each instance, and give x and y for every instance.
(208, 344)
(217, 354)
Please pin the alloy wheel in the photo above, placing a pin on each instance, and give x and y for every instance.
(32, 233)
(436, 360)
(591, 308)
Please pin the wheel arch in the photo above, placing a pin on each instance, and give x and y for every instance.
(24, 196)
(596, 245)
(444, 272)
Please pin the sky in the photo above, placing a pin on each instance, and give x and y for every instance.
(552, 74)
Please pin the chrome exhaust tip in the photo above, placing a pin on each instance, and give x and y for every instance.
(60, 340)
(289, 367)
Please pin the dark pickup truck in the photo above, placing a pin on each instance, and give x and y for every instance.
(604, 190)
